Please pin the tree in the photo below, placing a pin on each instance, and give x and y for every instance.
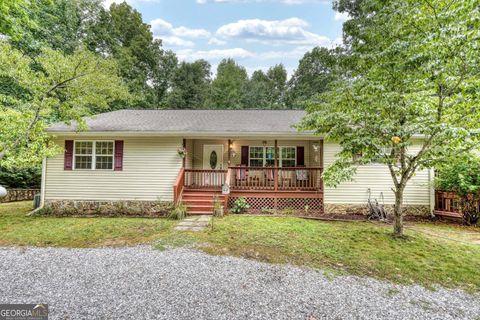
(228, 87)
(277, 76)
(257, 95)
(410, 71)
(15, 17)
(315, 72)
(121, 33)
(64, 88)
(190, 85)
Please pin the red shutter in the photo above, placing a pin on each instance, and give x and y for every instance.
(300, 156)
(245, 155)
(118, 155)
(68, 157)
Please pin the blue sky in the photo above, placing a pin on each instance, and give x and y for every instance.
(256, 33)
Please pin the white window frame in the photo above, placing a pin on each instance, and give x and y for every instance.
(94, 155)
(279, 154)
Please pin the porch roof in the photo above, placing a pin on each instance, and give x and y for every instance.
(191, 121)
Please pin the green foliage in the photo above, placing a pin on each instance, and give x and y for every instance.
(316, 70)
(64, 89)
(240, 206)
(461, 175)
(21, 178)
(16, 17)
(190, 85)
(403, 79)
(179, 212)
(228, 88)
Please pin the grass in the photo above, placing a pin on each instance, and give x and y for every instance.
(356, 248)
(425, 257)
(17, 229)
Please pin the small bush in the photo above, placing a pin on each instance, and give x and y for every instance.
(179, 212)
(240, 205)
(217, 208)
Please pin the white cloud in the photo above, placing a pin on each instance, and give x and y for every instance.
(216, 41)
(214, 54)
(161, 27)
(341, 16)
(174, 41)
(272, 32)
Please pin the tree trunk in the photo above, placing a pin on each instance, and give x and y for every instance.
(397, 212)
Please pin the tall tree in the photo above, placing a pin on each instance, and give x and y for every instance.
(411, 72)
(121, 33)
(63, 89)
(315, 72)
(277, 76)
(190, 85)
(228, 87)
(257, 92)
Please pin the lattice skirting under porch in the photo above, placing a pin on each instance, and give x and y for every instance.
(257, 204)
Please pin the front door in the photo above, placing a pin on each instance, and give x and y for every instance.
(213, 157)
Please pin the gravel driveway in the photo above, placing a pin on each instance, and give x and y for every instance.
(143, 283)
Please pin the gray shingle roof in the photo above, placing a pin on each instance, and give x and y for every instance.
(194, 121)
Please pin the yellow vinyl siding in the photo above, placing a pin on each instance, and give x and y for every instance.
(237, 145)
(377, 178)
(150, 167)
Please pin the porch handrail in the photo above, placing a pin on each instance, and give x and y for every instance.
(178, 186)
(204, 178)
(276, 178)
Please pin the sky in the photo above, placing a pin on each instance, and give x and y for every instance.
(256, 33)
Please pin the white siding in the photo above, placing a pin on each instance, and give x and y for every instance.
(377, 178)
(150, 167)
(237, 145)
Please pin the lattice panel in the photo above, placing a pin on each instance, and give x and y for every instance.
(255, 203)
(300, 203)
(258, 203)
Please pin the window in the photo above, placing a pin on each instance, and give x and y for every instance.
(265, 156)
(288, 156)
(97, 155)
(256, 157)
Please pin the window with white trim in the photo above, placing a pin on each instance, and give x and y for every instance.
(256, 156)
(265, 156)
(288, 156)
(93, 155)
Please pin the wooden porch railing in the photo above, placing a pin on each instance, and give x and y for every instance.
(204, 179)
(178, 186)
(447, 204)
(276, 179)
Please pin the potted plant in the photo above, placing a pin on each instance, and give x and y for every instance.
(182, 152)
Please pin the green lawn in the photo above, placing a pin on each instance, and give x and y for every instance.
(425, 257)
(357, 248)
(17, 229)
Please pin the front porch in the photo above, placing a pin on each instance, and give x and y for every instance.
(270, 175)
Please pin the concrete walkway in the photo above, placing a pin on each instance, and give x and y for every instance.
(193, 223)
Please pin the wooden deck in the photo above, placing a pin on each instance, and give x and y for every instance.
(297, 188)
(447, 204)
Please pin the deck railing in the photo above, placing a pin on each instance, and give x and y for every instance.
(276, 179)
(204, 179)
(447, 203)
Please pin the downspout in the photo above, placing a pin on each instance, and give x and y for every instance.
(42, 188)
(431, 189)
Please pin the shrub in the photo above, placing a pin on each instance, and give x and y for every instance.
(217, 208)
(178, 212)
(240, 205)
(462, 176)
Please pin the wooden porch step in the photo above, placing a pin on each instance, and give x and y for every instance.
(201, 201)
